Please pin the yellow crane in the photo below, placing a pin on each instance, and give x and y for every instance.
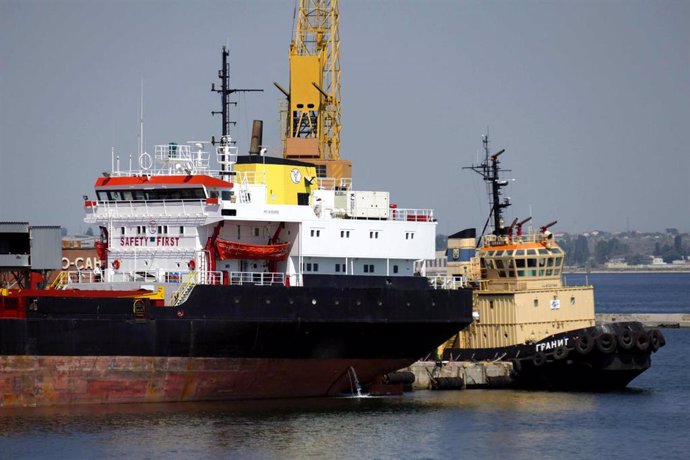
(310, 121)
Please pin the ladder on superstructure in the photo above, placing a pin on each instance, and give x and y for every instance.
(188, 283)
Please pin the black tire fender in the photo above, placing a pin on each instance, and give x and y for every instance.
(656, 339)
(539, 359)
(606, 343)
(561, 353)
(584, 344)
(642, 342)
(626, 339)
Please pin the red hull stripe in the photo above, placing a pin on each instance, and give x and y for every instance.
(208, 181)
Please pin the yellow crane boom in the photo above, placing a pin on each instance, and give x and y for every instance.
(310, 121)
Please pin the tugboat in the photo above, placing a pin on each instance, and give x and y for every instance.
(524, 313)
(224, 276)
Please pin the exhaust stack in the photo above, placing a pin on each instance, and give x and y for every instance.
(257, 135)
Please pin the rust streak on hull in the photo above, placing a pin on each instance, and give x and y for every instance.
(56, 380)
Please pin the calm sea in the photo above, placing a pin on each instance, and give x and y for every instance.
(649, 420)
(637, 292)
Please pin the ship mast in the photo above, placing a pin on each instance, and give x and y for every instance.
(225, 91)
(490, 171)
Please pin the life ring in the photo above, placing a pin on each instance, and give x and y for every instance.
(539, 359)
(584, 344)
(642, 342)
(561, 353)
(116, 264)
(656, 339)
(606, 343)
(626, 339)
(192, 264)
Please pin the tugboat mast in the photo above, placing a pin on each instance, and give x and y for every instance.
(489, 169)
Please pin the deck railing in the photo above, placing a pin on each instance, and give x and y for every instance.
(257, 278)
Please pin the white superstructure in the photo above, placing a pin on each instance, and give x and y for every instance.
(171, 218)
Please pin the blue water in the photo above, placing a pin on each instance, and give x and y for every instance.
(649, 420)
(637, 292)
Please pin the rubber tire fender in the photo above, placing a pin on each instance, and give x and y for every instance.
(606, 343)
(642, 342)
(584, 344)
(539, 359)
(656, 339)
(561, 353)
(626, 339)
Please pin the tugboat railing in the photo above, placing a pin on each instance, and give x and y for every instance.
(447, 282)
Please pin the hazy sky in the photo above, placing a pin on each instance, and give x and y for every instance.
(591, 99)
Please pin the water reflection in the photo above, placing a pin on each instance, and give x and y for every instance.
(649, 420)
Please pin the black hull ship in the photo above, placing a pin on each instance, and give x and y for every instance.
(524, 314)
(224, 342)
(228, 276)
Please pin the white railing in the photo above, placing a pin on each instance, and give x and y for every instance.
(109, 275)
(528, 237)
(412, 215)
(182, 209)
(331, 183)
(226, 157)
(257, 278)
(251, 178)
(447, 282)
(173, 159)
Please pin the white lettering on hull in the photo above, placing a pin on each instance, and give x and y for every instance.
(552, 344)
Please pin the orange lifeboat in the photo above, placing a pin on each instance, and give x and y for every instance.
(235, 250)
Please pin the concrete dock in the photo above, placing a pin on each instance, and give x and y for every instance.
(673, 320)
(460, 375)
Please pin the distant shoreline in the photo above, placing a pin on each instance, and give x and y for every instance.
(623, 271)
